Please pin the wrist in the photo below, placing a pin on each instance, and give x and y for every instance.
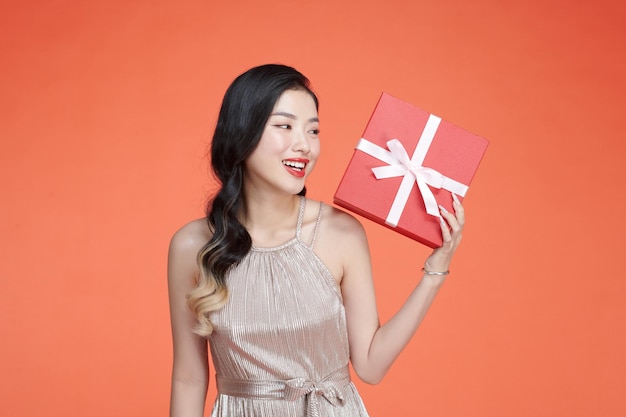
(437, 262)
(432, 281)
(427, 271)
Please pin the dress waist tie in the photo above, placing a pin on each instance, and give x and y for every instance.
(331, 388)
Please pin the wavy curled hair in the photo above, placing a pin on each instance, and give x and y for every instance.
(246, 107)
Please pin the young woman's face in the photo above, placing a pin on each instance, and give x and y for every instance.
(289, 146)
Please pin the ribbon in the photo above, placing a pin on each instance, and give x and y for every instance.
(412, 170)
(296, 388)
(331, 389)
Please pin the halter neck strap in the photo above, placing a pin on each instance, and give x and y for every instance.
(301, 219)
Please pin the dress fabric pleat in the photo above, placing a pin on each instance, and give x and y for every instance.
(280, 345)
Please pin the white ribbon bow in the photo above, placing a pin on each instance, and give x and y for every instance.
(400, 165)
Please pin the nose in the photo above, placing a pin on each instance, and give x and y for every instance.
(301, 143)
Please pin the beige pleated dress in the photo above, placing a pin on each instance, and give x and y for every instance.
(280, 344)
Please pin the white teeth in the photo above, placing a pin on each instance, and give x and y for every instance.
(294, 164)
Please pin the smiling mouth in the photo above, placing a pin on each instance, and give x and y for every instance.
(297, 165)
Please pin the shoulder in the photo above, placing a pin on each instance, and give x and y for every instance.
(342, 243)
(331, 217)
(341, 222)
(341, 230)
(191, 234)
(189, 239)
(182, 265)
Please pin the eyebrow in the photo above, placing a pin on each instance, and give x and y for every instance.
(292, 116)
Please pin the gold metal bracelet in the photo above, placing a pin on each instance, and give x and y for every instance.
(426, 272)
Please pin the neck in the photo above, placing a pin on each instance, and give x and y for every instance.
(270, 214)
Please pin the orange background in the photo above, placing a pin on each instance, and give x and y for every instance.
(106, 111)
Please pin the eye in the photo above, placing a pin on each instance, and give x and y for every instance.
(283, 126)
(314, 131)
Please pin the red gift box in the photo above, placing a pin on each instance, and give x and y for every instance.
(407, 163)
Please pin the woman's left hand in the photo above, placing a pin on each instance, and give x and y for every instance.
(451, 229)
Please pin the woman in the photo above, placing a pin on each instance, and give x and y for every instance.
(279, 285)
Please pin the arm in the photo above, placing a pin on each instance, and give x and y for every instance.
(373, 348)
(190, 365)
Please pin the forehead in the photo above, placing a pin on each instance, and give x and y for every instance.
(296, 100)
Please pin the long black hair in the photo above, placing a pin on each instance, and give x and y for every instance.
(246, 107)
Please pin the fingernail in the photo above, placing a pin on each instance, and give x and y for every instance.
(455, 198)
(442, 222)
(443, 209)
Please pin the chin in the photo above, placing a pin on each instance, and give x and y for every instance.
(295, 189)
